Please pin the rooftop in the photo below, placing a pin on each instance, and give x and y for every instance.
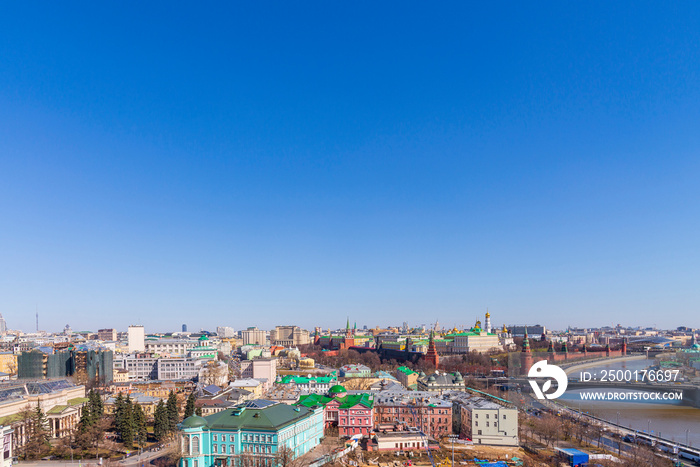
(258, 414)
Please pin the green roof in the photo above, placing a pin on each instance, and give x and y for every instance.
(272, 417)
(77, 400)
(57, 409)
(356, 399)
(10, 419)
(305, 380)
(337, 389)
(194, 421)
(406, 370)
(313, 400)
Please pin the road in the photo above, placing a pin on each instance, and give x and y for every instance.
(131, 461)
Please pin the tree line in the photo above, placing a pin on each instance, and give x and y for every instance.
(128, 422)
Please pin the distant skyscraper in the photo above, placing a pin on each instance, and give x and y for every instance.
(3, 325)
(137, 339)
(184, 328)
(225, 331)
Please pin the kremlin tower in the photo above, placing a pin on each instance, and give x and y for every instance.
(525, 356)
(487, 322)
(432, 355)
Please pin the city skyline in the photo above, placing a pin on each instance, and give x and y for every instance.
(261, 165)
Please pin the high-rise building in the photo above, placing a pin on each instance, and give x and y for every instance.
(3, 325)
(225, 331)
(254, 336)
(107, 334)
(137, 339)
(289, 336)
(184, 328)
(84, 365)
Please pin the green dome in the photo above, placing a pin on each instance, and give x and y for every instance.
(194, 421)
(337, 389)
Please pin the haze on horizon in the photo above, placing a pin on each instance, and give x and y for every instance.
(264, 164)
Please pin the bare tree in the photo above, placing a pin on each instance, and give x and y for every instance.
(548, 428)
(285, 457)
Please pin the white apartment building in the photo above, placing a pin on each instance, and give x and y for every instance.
(137, 339)
(486, 419)
(170, 347)
(225, 332)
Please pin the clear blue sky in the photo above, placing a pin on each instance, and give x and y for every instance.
(297, 162)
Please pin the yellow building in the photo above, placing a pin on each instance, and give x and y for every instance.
(8, 363)
(121, 376)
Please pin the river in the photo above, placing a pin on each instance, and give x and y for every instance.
(670, 419)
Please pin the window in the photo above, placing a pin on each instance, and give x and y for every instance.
(487, 416)
(213, 448)
(185, 463)
(476, 423)
(495, 423)
(487, 424)
(504, 416)
(195, 445)
(476, 415)
(214, 438)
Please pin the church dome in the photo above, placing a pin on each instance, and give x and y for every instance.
(337, 389)
(194, 421)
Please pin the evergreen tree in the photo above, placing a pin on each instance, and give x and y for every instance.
(85, 420)
(198, 411)
(189, 407)
(140, 424)
(38, 440)
(96, 406)
(173, 415)
(118, 413)
(160, 422)
(127, 430)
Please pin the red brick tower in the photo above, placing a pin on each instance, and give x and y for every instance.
(525, 356)
(432, 355)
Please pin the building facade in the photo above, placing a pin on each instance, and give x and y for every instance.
(137, 339)
(260, 369)
(289, 336)
(257, 429)
(486, 419)
(254, 336)
(407, 377)
(355, 370)
(411, 410)
(107, 334)
(440, 382)
(310, 385)
(170, 347)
